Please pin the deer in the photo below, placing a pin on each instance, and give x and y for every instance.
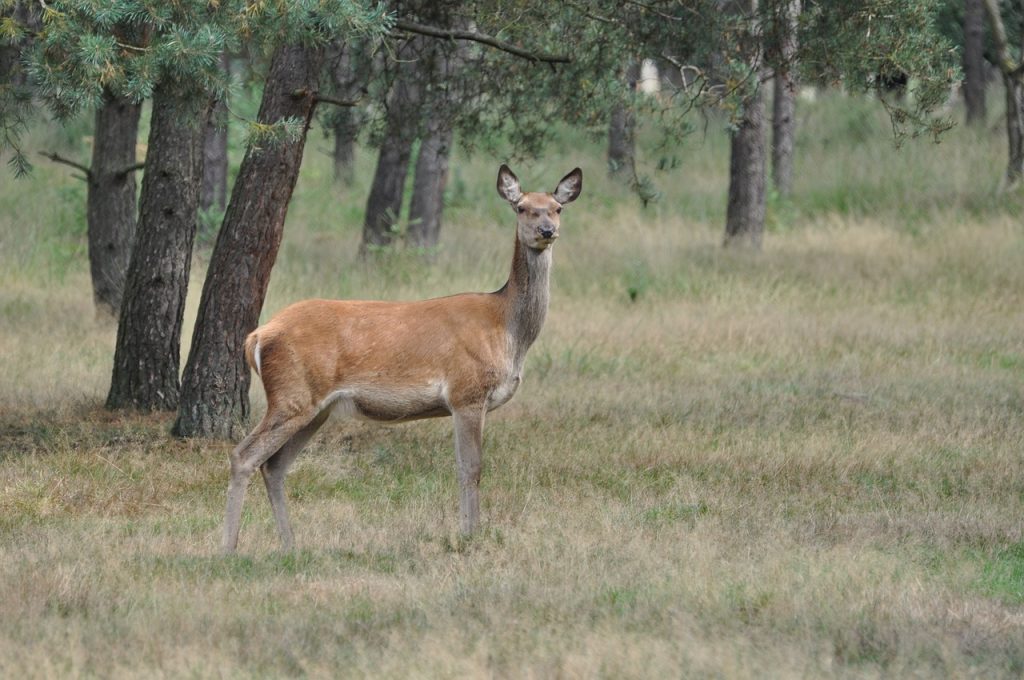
(460, 356)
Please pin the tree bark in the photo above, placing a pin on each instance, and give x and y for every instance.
(215, 155)
(24, 14)
(215, 385)
(744, 222)
(384, 204)
(622, 132)
(147, 355)
(1014, 128)
(1013, 79)
(343, 120)
(111, 205)
(974, 62)
(345, 131)
(431, 178)
(784, 103)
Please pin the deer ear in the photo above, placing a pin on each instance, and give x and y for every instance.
(569, 188)
(508, 185)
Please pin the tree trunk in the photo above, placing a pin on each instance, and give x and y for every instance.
(784, 104)
(215, 155)
(111, 205)
(427, 205)
(343, 120)
(744, 222)
(345, 131)
(1014, 83)
(622, 132)
(24, 14)
(148, 350)
(215, 386)
(974, 62)
(1013, 79)
(384, 205)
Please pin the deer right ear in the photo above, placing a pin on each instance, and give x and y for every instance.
(508, 185)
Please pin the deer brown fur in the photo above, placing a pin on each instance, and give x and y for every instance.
(396, 361)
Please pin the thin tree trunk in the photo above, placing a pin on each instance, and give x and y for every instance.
(384, 204)
(111, 204)
(24, 14)
(974, 62)
(1014, 128)
(744, 222)
(345, 131)
(745, 213)
(784, 104)
(431, 178)
(343, 120)
(147, 355)
(622, 132)
(215, 385)
(215, 154)
(1013, 79)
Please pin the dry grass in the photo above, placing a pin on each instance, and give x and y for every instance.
(800, 463)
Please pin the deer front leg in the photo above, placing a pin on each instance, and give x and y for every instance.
(469, 434)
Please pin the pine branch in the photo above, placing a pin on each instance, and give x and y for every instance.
(132, 168)
(327, 100)
(60, 159)
(482, 38)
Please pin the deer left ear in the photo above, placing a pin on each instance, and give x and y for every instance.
(569, 188)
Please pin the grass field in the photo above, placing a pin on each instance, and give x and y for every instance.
(800, 463)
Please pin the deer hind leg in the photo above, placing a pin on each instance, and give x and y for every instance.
(274, 470)
(267, 439)
(469, 434)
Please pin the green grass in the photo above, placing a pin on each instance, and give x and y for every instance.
(804, 462)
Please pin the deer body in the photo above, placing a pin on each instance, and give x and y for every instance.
(460, 355)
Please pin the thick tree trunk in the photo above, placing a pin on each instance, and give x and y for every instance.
(147, 355)
(215, 155)
(215, 385)
(111, 205)
(622, 133)
(431, 178)
(784, 104)
(1014, 128)
(974, 62)
(384, 204)
(744, 222)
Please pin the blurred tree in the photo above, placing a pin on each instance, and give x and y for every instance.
(745, 213)
(214, 192)
(784, 26)
(974, 61)
(350, 65)
(622, 129)
(384, 203)
(1012, 69)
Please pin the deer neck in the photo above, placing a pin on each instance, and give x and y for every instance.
(526, 293)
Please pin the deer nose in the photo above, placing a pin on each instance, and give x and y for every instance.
(547, 233)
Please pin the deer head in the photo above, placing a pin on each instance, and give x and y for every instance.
(537, 213)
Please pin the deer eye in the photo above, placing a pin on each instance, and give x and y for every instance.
(558, 210)
(520, 209)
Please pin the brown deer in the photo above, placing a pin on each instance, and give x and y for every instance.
(397, 361)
